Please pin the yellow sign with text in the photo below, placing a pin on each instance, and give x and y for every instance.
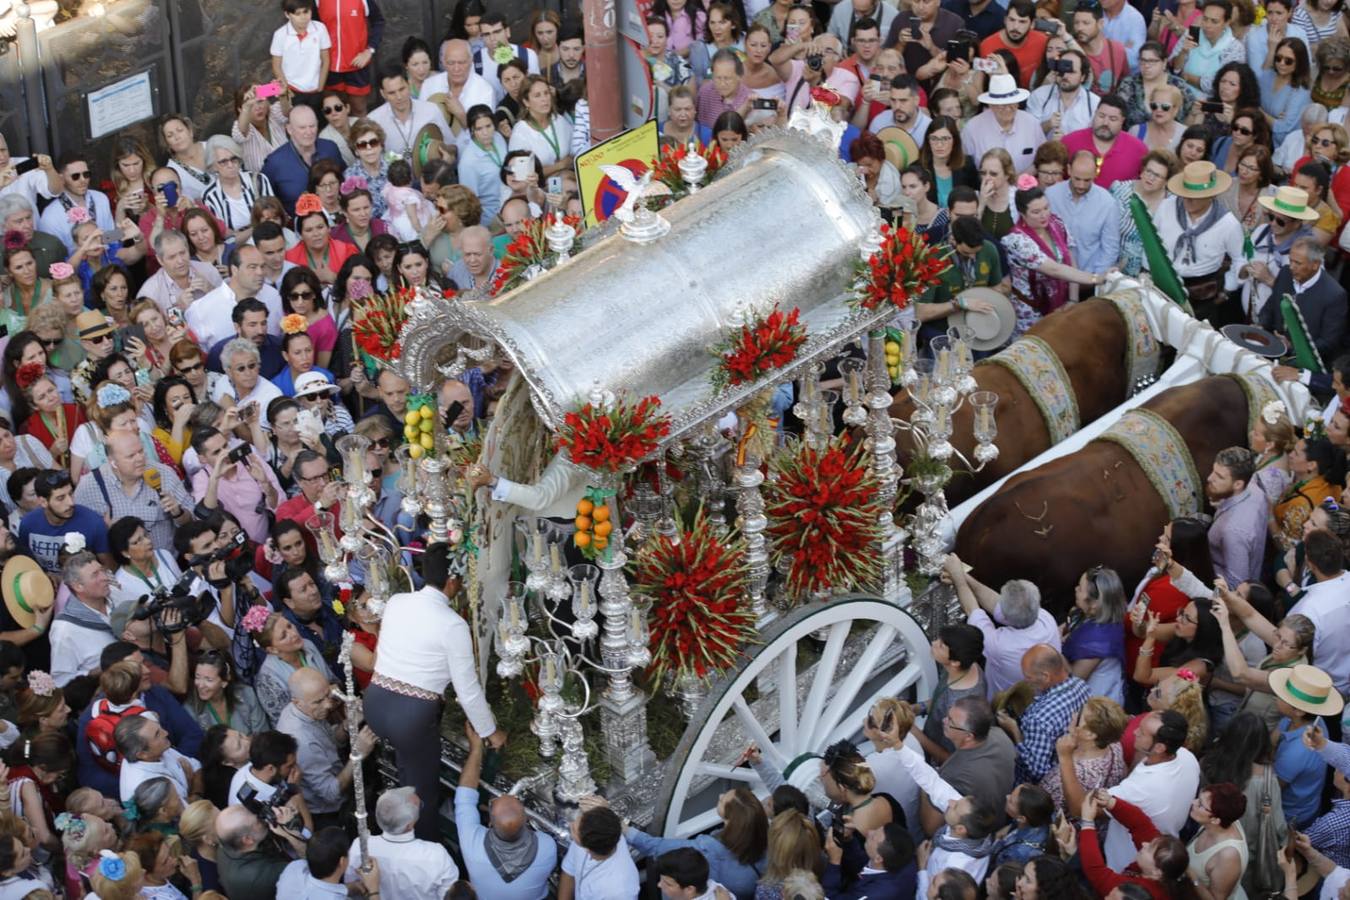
(634, 150)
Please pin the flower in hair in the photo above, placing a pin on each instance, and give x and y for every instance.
(14, 240)
(294, 324)
(1273, 412)
(29, 373)
(74, 542)
(72, 825)
(339, 607)
(1026, 181)
(77, 215)
(111, 394)
(110, 865)
(60, 270)
(41, 684)
(1186, 675)
(306, 204)
(256, 618)
(354, 183)
(130, 811)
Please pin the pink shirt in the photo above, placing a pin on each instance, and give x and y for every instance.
(1121, 163)
(240, 494)
(711, 105)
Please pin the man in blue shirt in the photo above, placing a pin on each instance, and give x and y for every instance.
(42, 532)
(508, 860)
(287, 167)
(1089, 213)
(250, 323)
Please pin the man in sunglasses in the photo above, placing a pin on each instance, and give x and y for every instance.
(1271, 242)
(96, 340)
(1062, 104)
(76, 176)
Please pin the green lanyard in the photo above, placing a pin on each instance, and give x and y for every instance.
(550, 136)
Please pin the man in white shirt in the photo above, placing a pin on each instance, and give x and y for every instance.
(76, 178)
(1325, 603)
(598, 865)
(410, 869)
(1012, 621)
(462, 87)
(1162, 784)
(81, 631)
(1003, 125)
(271, 243)
(209, 317)
(42, 179)
(402, 115)
(433, 648)
(271, 763)
(243, 381)
(967, 824)
(181, 280)
(1124, 24)
(1062, 105)
(497, 50)
(147, 753)
(905, 111)
(1198, 233)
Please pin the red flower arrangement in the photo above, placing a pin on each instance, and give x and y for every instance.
(528, 249)
(759, 347)
(695, 584)
(823, 508)
(377, 321)
(28, 373)
(902, 270)
(610, 439)
(666, 168)
(827, 95)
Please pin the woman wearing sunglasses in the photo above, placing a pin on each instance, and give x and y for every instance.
(1137, 89)
(367, 140)
(1333, 72)
(1286, 87)
(302, 295)
(1162, 130)
(337, 115)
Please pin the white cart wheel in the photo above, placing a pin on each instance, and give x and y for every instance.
(872, 649)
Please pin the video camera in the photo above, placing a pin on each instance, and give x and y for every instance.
(178, 596)
(238, 561)
(266, 810)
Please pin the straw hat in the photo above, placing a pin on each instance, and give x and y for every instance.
(1200, 180)
(989, 330)
(1003, 90)
(1291, 202)
(90, 324)
(1307, 688)
(27, 590)
(426, 146)
(901, 150)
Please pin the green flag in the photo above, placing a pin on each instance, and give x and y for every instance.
(1305, 353)
(1159, 265)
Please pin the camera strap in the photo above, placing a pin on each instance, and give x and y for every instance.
(103, 489)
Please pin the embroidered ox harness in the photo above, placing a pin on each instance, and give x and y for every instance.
(1033, 363)
(1159, 450)
(1143, 353)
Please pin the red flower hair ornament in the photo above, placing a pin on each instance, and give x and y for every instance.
(306, 204)
(29, 373)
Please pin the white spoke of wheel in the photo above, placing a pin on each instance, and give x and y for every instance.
(699, 823)
(902, 679)
(822, 679)
(842, 701)
(741, 773)
(757, 733)
(787, 701)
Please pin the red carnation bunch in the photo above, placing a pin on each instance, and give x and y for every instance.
(378, 320)
(611, 439)
(527, 249)
(823, 508)
(903, 269)
(666, 168)
(695, 582)
(759, 347)
(28, 373)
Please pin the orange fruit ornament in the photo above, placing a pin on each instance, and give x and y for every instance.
(601, 514)
(582, 539)
(583, 523)
(600, 543)
(602, 529)
(584, 507)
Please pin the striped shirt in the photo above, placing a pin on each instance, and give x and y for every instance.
(227, 209)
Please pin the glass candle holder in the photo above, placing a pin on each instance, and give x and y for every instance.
(983, 403)
(321, 526)
(353, 448)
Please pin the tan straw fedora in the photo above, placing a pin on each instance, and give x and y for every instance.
(1291, 202)
(27, 590)
(1200, 180)
(1307, 688)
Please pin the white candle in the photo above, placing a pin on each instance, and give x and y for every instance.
(634, 625)
(550, 671)
(503, 636)
(587, 598)
(515, 614)
(538, 544)
(555, 558)
(944, 363)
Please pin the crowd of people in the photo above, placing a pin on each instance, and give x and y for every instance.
(178, 362)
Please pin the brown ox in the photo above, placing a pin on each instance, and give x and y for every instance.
(1089, 339)
(1095, 506)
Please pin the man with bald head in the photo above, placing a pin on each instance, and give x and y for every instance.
(129, 484)
(1059, 696)
(458, 88)
(507, 859)
(456, 391)
(250, 865)
(476, 264)
(325, 774)
(287, 167)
